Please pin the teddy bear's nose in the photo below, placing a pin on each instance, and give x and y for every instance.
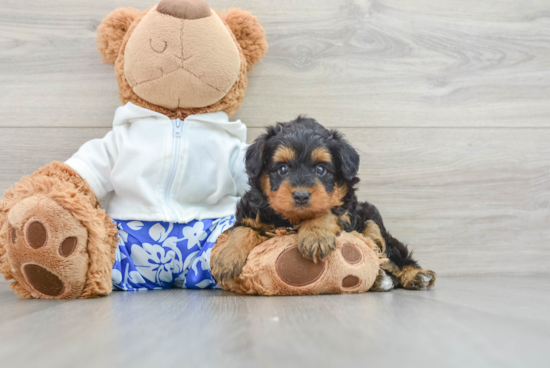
(184, 9)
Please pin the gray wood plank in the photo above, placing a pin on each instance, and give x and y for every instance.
(462, 322)
(355, 63)
(468, 201)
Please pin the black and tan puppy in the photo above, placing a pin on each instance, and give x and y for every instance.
(303, 176)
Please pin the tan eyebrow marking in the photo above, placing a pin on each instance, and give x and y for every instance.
(284, 154)
(321, 154)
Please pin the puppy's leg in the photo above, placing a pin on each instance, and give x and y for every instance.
(383, 282)
(228, 259)
(404, 269)
(317, 237)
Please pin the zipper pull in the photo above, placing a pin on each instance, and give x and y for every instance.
(177, 127)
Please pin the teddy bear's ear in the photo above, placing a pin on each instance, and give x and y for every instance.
(111, 32)
(249, 33)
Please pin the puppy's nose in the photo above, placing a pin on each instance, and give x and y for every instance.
(184, 9)
(301, 196)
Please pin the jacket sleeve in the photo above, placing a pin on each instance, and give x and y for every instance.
(239, 170)
(94, 162)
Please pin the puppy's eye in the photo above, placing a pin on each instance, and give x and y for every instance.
(320, 170)
(283, 170)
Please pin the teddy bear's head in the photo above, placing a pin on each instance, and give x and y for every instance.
(181, 57)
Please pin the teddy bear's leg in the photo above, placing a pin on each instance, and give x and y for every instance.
(55, 241)
(230, 254)
(400, 267)
(47, 252)
(276, 267)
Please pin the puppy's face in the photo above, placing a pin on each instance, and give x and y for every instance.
(301, 169)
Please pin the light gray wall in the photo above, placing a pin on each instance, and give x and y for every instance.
(448, 102)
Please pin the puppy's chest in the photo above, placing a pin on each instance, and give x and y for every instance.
(272, 218)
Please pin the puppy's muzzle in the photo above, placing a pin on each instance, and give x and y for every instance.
(301, 197)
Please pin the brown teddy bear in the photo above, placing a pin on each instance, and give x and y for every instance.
(172, 159)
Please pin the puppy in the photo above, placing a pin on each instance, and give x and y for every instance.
(303, 176)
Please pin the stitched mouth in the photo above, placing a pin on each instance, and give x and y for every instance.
(182, 58)
(190, 73)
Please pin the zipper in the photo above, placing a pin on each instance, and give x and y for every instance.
(177, 126)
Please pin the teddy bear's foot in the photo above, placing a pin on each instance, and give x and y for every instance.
(277, 267)
(46, 250)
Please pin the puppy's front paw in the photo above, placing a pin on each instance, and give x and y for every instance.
(316, 246)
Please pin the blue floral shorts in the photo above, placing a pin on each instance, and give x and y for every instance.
(161, 255)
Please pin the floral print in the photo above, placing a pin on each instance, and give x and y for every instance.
(161, 255)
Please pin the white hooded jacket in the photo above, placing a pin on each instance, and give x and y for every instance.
(151, 168)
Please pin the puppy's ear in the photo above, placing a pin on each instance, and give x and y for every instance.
(346, 156)
(249, 33)
(255, 158)
(111, 32)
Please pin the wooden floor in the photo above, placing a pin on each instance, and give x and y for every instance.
(463, 322)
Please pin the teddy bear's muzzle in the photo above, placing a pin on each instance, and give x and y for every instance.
(180, 57)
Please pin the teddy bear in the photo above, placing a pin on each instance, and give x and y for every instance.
(142, 207)
(146, 206)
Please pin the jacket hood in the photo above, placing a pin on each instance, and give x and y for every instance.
(129, 113)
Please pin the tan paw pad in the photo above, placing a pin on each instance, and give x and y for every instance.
(350, 281)
(68, 246)
(36, 235)
(43, 280)
(351, 253)
(13, 235)
(296, 270)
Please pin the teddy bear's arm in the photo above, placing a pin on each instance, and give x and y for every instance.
(94, 162)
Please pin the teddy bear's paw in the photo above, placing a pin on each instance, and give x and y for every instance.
(417, 279)
(227, 265)
(383, 282)
(47, 249)
(316, 246)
